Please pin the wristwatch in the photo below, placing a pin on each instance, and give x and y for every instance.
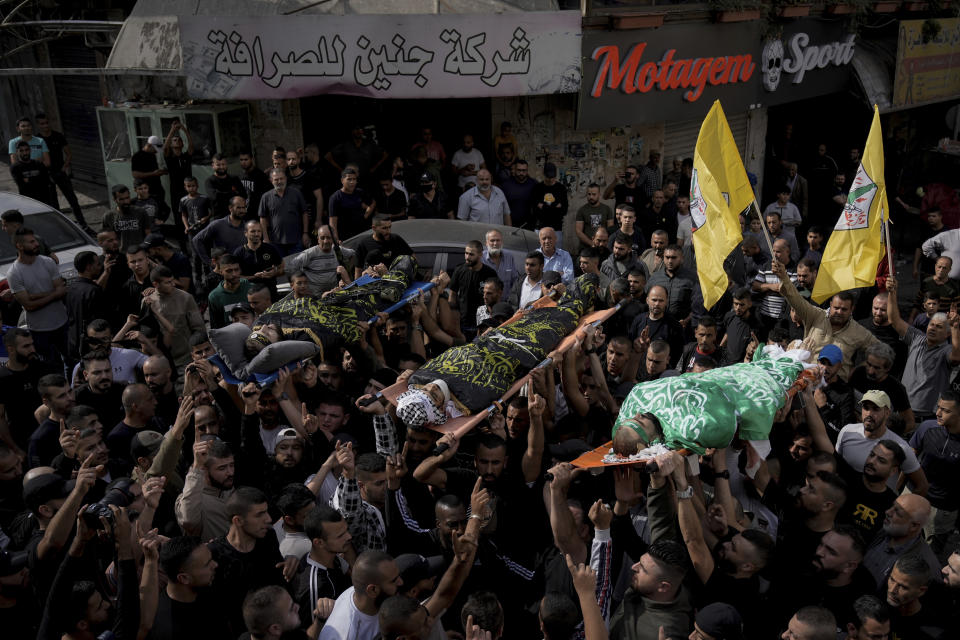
(284, 396)
(725, 474)
(685, 494)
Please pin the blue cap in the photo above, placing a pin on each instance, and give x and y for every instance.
(831, 353)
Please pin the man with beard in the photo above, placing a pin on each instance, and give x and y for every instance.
(255, 182)
(656, 598)
(226, 232)
(835, 579)
(930, 356)
(501, 262)
(131, 302)
(163, 254)
(324, 572)
(221, 188)
(32, 177)
(485, 202)
(259, 262)
(382, 239)
(176, 312)
(869, 495)
(306, 182)
(466, 162)
(856, 441)
(349, 208)
(85, 299)
(38, 287)
(937, 444)
(284, 216)
(875, 373)
(657, 324)
(184, 606)
(730, 573)
(465, 284)
(294, 503)
(591, 216)
(902, 535)
(325, 264)
(834, 400)
(375, 578)
(880, 326)
(361, 496)
(100, 392)
(57, 397)
(132, 225)
(19, 391)
(911, 614)
(627, 190)
(202, 507)
(115, 271)
(248, 556)
(518, 190)
(622, 259)
(232, 290)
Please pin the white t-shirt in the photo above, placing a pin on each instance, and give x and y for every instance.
(461, 159)
(346, 622)
(294, 544)
(854, 447)
(125, 363)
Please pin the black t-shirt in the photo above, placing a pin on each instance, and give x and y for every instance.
(926, 624)
(256, 183)
(738, 336)
(179, 168)
(893, 388)
(394, 205)
(889, 336)
(33, 179)
(56, 142)
(466, 283)
(636, 197)
(19, 397)
(107, 405)
(239, 573)
(251, 262)
(863, 508)
(221, 190)
(390, 248)
(188, 620)
(421, 207)
(348, 209)
(146, 162)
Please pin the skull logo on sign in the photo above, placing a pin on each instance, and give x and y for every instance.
(772, 60)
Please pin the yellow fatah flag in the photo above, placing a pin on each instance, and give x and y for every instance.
(719, 191)
(855, 247)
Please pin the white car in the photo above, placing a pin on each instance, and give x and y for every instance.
(63, 236)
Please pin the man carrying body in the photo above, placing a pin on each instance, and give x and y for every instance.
(323, 264)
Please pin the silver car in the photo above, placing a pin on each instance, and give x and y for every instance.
(63, 237)
(439, 244)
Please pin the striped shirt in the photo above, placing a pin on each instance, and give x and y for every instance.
(773, 304)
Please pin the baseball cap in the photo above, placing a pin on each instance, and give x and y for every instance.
(551, 278)
(155, 141)
(414, 567)
(45, 488)
(146, 443)
(286, 434)
(426, 178)
(241, 306)
(154, 240)
(550, 170)
(720, 621)
(831, 353)
(877, 397)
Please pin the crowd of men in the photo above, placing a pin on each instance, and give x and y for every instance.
(143, 495)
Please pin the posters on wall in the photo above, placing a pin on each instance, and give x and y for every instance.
(928, 65)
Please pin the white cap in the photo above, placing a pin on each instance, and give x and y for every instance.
(155, 141)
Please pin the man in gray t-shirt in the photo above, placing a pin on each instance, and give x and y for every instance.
(322, 263)
(36, 284)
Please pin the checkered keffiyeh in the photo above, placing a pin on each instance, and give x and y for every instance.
(415, 409)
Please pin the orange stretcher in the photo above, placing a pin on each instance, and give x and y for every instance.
(462, 425)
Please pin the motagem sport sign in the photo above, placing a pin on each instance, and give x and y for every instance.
(675, 73)
(382, 56)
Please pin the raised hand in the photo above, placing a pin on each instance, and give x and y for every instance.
(346, 459)
(584, 578)
(397, 467)
(200, 452)
(308, 419)
(536, 405)
(68, 440)
(600, 515)
(479, 499)
(152, 490)
(474, 632)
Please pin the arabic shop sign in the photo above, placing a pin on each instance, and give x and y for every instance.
(382, 56)
(676, 72)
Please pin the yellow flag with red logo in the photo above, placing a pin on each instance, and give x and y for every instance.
(719, 191)
(855, 247)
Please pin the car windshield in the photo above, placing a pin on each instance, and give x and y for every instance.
(51, 227)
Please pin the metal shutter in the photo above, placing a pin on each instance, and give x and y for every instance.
(77, 99)
(680, 138)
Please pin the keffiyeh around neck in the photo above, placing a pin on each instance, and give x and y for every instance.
(415, 409)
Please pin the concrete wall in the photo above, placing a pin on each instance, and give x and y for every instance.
(546, 132)
(272, 123)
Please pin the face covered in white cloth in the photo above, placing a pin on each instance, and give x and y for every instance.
(417, 407)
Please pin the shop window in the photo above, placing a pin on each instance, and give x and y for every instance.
(204, 137)
(116, 141)
(234, 132)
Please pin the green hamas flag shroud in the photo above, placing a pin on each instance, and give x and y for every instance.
(700, 411)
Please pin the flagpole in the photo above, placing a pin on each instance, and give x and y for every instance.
(763, 225)
(886, 239)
